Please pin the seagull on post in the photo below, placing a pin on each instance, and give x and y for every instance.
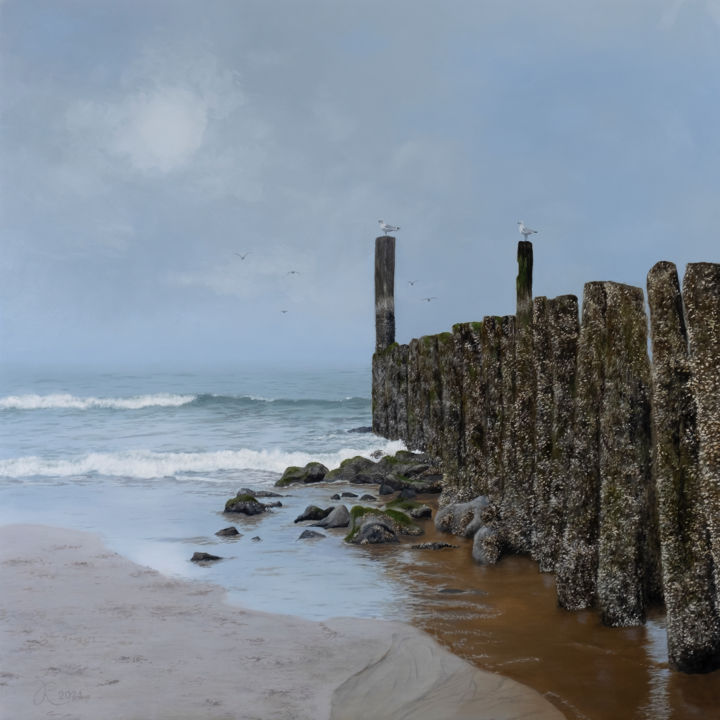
(387, 229)
(525, 231)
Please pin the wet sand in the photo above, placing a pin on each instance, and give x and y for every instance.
(88, 634)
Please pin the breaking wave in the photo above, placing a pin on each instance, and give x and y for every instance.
(65, 401)
(146, 464)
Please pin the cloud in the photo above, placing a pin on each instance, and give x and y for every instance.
(159, 131)
(159, 117)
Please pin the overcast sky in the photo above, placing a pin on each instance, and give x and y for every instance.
(144, 142)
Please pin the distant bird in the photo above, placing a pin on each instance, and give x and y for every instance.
(283, 311)
(241, 255)
(525, 231)
(387, 229)
(428, 299)
(411, 282)
(293, 272)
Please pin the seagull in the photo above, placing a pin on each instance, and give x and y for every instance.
(428, 299)
(241, 256)
(387, 229)
(525, 231)
(283, 311)
(293, 272)
(411, 282)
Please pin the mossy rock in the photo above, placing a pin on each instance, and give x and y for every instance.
(397, 520)
(313, 472)
(351, 468)
(245, 504)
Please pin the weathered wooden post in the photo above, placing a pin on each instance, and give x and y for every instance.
(693, 621)
(382, 405)
(701, 293)
(518, 500)
(384, 292)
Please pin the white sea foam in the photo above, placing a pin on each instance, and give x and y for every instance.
(66, 401)
(146, 464)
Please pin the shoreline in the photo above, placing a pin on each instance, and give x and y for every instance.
(88, 633)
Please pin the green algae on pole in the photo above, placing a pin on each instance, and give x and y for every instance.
(693, 622)
(701, 293)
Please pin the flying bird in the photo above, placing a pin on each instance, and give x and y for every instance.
(241, 255)
(411, 282)
(387, 229)
(283, 311)
(293, 272)
(525, 231)
(428, 299)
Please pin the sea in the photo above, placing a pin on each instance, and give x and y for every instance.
(147, 459)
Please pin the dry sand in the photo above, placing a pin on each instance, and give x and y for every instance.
(89, 634)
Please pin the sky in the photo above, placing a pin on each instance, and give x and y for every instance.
(144, 143)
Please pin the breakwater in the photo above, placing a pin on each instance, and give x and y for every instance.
(602, 465)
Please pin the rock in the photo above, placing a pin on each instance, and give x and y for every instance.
(228, 532)
(313, 512)
(339, 517)
(393, 520)
(368, 498)
(407, 493)
(257, 538)
(258, 493)
(336, 496)
(361, 429)
(349, 495)
(433, 546)
(487, 546)
(373, 530)
(386, 490)
(275, 504)
(421, 513)
(204, 557)
(313, 472)
(245, 504)
(357, 470)
(310, 535)
(462, 518)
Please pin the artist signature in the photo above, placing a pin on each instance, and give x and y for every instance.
(51, 693)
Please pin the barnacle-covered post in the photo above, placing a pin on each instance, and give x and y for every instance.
(384, 329)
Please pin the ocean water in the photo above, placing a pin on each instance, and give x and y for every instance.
(148, 459)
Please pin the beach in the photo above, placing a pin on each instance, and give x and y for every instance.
(87, 634)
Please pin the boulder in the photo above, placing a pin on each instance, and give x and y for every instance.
(373, 530)
(421, 512)
(368, 498)
(228, 532)
(349, 495)
(487, 546)
(407, 493)
(386, 489)
(258, 493)
(393, 520)
(313, 512)
(313, 472)
(361, 429)
(204, 557)
(357, 470)
(257, 538)
(310, 535)
(246, 504)
(433, 546)
(462, 518)
(339, 517)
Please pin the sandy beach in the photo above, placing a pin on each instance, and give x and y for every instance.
(87, 634)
